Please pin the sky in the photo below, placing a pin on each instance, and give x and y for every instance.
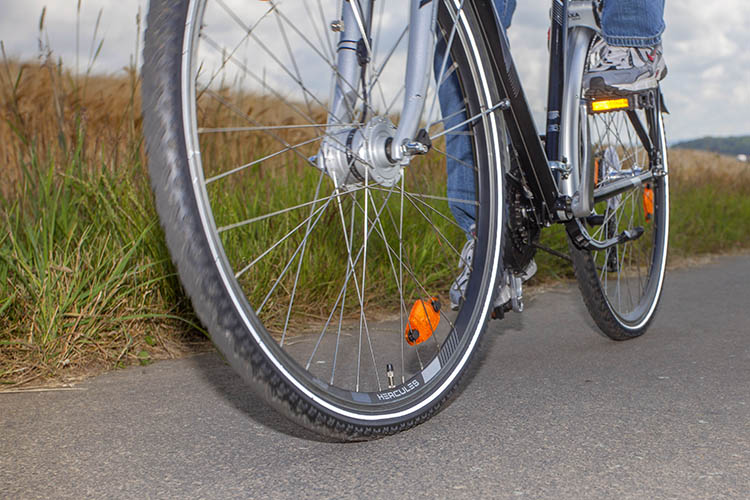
(706, 45)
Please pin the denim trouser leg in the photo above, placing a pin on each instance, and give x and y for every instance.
(460, 160)
(633, 23)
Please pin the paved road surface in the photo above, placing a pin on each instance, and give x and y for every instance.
(555, 411)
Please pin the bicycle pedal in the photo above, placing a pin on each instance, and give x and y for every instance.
(631, 234)
(499, 311)
(595, 220)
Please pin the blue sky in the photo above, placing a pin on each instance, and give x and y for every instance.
(706, 49)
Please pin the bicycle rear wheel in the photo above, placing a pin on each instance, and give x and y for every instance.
(621, 285)
(308, 283)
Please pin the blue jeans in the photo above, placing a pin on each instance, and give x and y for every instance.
(629, 23)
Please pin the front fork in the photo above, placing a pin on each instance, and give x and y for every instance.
(576, 179)
(349, 92)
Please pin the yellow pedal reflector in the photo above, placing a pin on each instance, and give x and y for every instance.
(610, 105)
(423, 320)
(648, 203)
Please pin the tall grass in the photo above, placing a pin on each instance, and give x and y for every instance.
(85, 279)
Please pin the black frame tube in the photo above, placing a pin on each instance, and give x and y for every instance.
(556, 85)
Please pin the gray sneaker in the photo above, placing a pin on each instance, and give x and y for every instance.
(623, 70)
(458, 288)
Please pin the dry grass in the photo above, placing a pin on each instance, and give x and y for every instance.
(46, 108)
(85, 282)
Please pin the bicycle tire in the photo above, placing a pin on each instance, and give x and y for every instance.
(206, 261)
(622, 286)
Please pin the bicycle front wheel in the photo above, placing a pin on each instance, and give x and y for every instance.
(309, 283)
(622, 284)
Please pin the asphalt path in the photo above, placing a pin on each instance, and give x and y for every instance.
(554, 411)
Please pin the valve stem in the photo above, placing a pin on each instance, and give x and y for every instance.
(389, 374)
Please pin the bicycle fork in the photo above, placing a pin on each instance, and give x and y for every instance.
(356, 147)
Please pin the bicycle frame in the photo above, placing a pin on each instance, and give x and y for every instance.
(558, 175)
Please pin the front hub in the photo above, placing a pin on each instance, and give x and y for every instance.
(354, 156)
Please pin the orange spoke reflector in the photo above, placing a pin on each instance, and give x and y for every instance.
(423, 320)
(648, 203)
(610, 104)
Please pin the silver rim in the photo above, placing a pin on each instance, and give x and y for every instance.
(368, 205)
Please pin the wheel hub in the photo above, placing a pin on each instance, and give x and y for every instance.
(354, 155)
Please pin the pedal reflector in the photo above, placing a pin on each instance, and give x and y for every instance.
(610, 105)
(423, 320)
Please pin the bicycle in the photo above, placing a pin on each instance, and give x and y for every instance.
(306, 213)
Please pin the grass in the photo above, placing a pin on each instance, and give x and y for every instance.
(86, 283)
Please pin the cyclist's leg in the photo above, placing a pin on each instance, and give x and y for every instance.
(633, 23)
(460, 161)
(629, 52)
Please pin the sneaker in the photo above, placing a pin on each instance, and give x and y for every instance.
(624, 70)
(458, 288)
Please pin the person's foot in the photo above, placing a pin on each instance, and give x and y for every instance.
(623, 70)
(458, 288)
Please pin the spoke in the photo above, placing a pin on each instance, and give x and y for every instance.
(262, 82)
(262, 128)
(446, 118)
(330, 63)
(301, 247)
(324, 23)
(322, 37)
(395, 98)
(241, 114)
(351, 265)
(341, 312)
(302, 258)
(439, 232)
(273, 56)
(402, 304)
(433, 197)
(285, 210)
(449, 44)
(468, 120)
(407, 267)
(457, 160)
(260, 160)
(248, 31)
(375, 78)
(446, 218)
(378, 31)
(381, 233)
(361, 25)
(401, 269)
(283, 239)
(364, 276)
